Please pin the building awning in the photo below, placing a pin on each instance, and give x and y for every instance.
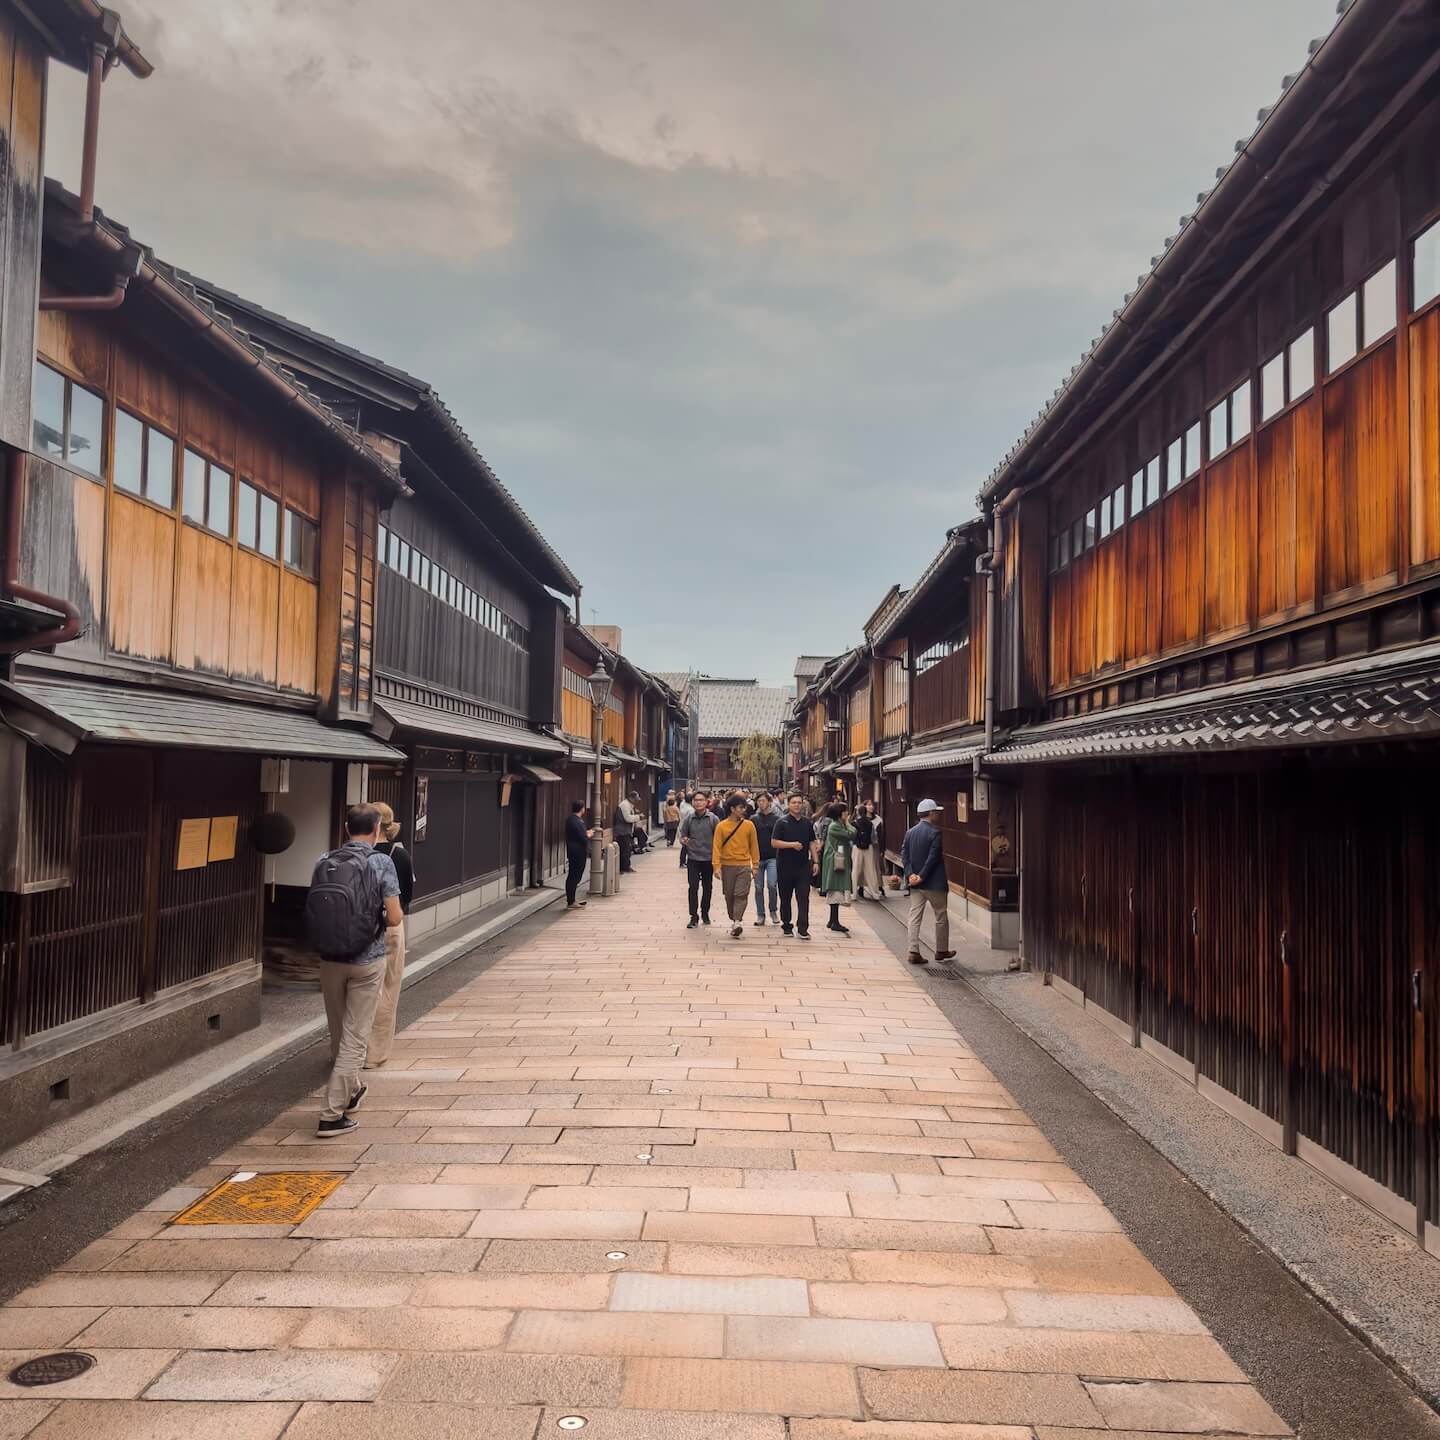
(872, 762)
(451, 725)
(63, 713)
(620, 757)
(540, 773)
(937, 757)
(1380, 698)
(582, 755)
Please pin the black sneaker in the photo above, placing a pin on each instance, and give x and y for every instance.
(704, 919)
(356, 1098)
(693, 923)
(787, 929)
(774, 919)
(327, 1129)
(803, 934)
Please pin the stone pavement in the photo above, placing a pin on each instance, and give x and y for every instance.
(661, 1182)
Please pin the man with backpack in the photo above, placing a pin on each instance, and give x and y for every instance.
(354, 897)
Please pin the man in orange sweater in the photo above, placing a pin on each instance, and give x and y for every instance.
(737, 859)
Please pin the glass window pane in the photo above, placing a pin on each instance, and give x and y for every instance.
(1427, 266)
(1340, 330)
(247, 515)
(1105, 518)
(1065, 547)
(382, 543)
(405, 557)
(269, 520)
(1272, 388)
(1077, 549)
(160, 468)
(1174, 463)
(1240, 412)
(1152, 480)
(1118, 502)
(193, 495)
(1137, 492)
(48, 426)
(1302, 364)
(309, 537)
(87, 421)
(1192, 450)
(1379, 307)
(1219, 431)
(414, 567)
(218, 516)
(129, 460)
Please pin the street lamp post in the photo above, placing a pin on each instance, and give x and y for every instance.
(600, 682)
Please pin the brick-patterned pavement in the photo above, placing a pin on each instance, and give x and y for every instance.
(671, 1183)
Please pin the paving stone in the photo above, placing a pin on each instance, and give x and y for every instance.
(119, 1374)
(44, 1325)
(139, 1289)
(906, 1430)
(1058, 1216)
(1124, 1355)
(874, 1184)
(732, 1229)
(668, 1425)
(403, 1327)
(386, 1224)
(583, 1256)
(977, 1397)
(850, 1342)
(901, 1235)
(710, 1295)
(744, 1386)
(359, 1255)
(571, 1381)
(162, 1420)
(274, 1375)
(662, 1176)
(191, 1327)
(949, 1209)
(972, 1186)
(19, 1417)
(591, 1332)
(516, 1291)
(1186, 1408)
(712, 1154)
(558, 1224)
(607, 1197)
(314, 1290)
(382, 1154)
(950, 1304)
(800, 1262)
(753, 1201)
(202, 1253)
(874, 1164)
(1103, 1312)
(98, 1254)
(445, 1197)
(387, 1420)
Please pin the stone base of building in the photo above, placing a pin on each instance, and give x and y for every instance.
(57, 1076)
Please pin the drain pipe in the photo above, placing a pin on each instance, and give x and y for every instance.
(15, 517)
(985, 565)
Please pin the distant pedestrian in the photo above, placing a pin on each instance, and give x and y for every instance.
(923, 860)
(624, 826)
(837, 863)
(686, 811)
(867, 853)
(640, 836)
(577, 850)
(697, 841)
(672, 819)
(797, 859)
(765, 818)
(737, 858)
(382, 1029)
(354, 898)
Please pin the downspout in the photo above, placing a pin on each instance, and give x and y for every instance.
(15, 517)
(985, 565)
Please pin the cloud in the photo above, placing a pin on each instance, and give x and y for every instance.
(760, 289)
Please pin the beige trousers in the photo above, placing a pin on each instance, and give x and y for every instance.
(939, 902)
(351, 993)
(735, 886)
(867, 871)
(382, 1032)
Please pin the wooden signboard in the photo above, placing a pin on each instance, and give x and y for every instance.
(193, 848)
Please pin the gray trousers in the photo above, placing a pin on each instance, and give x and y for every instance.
(735, 886)
(351, 994)
(939, 902)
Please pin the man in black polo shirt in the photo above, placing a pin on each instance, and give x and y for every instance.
(797, 858)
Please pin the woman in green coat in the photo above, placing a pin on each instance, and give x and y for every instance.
(837, 863)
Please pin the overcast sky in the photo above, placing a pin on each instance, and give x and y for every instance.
(743, 299)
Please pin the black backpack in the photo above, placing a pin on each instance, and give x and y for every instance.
(343, 909)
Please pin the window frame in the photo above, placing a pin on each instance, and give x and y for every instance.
(261, 496)
(285, 530)
(1227, 402)
(1356, 296)
(69, 384)
(211, 466)
(1431, 232)
(147, 428)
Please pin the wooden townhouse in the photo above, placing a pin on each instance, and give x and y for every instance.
(468, 635)
(729, 712)
(1217, 678)
(188, 613)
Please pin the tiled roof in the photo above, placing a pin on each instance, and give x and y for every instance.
(952, 753)
(807, 667)
(1384, 698)
(732, 709)
(426, 720)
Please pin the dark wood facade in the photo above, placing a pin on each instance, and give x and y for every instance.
(1240, 500)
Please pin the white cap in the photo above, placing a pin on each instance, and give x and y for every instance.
(926, 806)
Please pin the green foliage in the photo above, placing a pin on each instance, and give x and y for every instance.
(758, 758)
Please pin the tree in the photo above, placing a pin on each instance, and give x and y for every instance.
(758, 758)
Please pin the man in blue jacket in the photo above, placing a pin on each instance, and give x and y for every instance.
(923, 859)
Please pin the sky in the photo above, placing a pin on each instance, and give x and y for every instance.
(742, 299)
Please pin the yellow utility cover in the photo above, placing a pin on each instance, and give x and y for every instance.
(278, 1198)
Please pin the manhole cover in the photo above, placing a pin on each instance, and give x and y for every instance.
(281, 1198)
(52, 1369)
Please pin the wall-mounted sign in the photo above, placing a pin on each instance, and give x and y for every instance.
(962, 807)
(222, 837)
(192, 850)
(422, 807)
(982, 794)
